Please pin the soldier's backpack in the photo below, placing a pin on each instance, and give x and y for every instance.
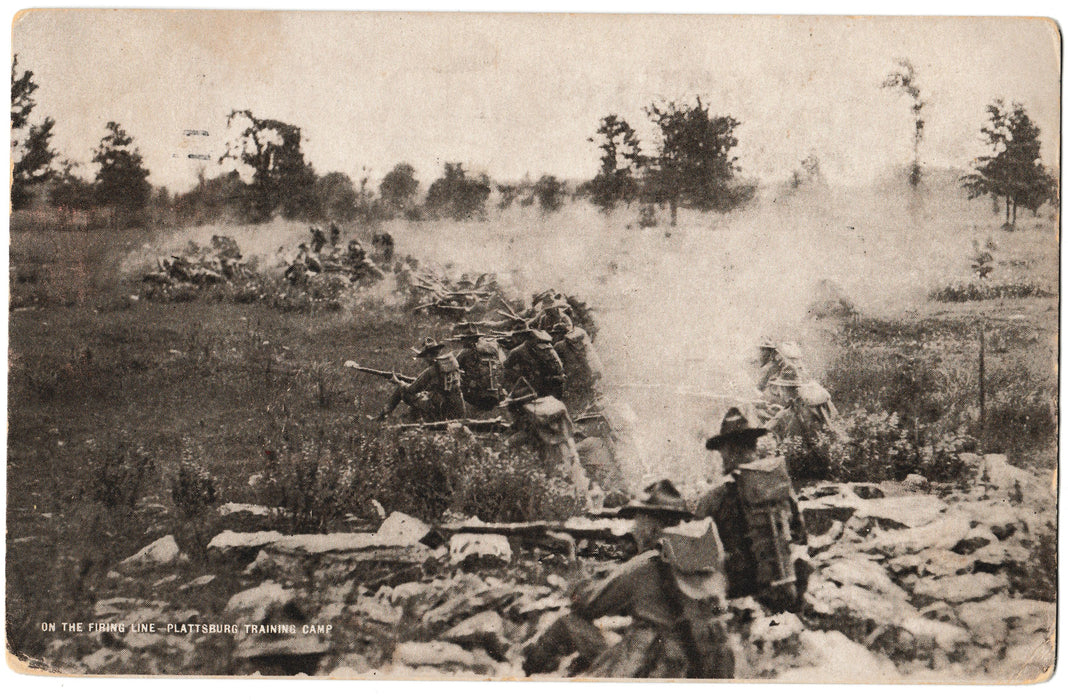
(489, 370)
(449, 369)
(550, 418)
(766, 492)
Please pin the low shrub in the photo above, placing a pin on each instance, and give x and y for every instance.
(193, 490)
(321, 476)
(119, 475)
(879, 448)
(983, 290)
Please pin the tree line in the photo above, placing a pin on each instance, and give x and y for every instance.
(689, 164)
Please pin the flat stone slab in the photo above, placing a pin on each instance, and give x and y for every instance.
(228, 540)
(960, 589)
(941, 534)
(253, 604)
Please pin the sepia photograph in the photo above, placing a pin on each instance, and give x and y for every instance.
(425, 345)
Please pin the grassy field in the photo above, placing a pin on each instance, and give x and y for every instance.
(99, 377)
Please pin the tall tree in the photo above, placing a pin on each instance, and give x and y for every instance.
(32, 154)
(399, 186)
(1014, 171)
(694, 165)
(122, 180)
(457, 195)
(903, 78)
(621, 161)
(69, 191)
(281, 179)
(337, 196)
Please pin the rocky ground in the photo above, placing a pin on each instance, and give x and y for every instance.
(913, 581)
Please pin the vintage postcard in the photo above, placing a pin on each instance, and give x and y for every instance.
(398, 345)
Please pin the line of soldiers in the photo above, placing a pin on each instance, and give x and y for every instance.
(744, 538)
(311, 261)
(542, 369)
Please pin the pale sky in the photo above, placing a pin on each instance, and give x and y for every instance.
(518, 94)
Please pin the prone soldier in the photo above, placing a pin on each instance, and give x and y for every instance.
(582, 364)
(544, 425)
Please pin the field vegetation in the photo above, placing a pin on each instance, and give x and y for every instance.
(131, 417)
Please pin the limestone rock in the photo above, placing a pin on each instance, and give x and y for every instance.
(240, 546)
(377, 610)
(254, 604)
(369, 558)
(485, 630)
(1000, 555)
(977, 538)
(401, 528)
(941, 534)
(959, 589)
(916, 482)
(996, 471)
(992, 619)
(436, 654)
(161, 552)
(930, 562)
(828, 657)
(902, 511)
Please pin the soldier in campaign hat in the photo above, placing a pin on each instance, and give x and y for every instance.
(436, 393)
(757, 515)
(535, 360)
(482, 363)
(674, 591)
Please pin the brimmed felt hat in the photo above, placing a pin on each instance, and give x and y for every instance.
(429, 347)
(694, 554)
(739, 425)
(661, 498)
(562, 328)
(533, 333)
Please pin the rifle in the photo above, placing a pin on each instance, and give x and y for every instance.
(553, 534)
(478, 425)
(352, 364)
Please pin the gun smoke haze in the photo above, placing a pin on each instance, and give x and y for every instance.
(680, 310)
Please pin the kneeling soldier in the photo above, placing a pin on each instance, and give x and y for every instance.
(757, 515)
(435, 394)
(675, 592)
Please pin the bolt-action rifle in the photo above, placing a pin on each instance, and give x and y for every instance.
(385, 374)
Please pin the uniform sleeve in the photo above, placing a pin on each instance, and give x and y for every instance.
(421, 383)
(614, 595)
(709, 504)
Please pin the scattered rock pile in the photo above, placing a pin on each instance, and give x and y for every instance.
(906, 585)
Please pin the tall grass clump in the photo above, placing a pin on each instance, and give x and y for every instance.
(318, 476)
